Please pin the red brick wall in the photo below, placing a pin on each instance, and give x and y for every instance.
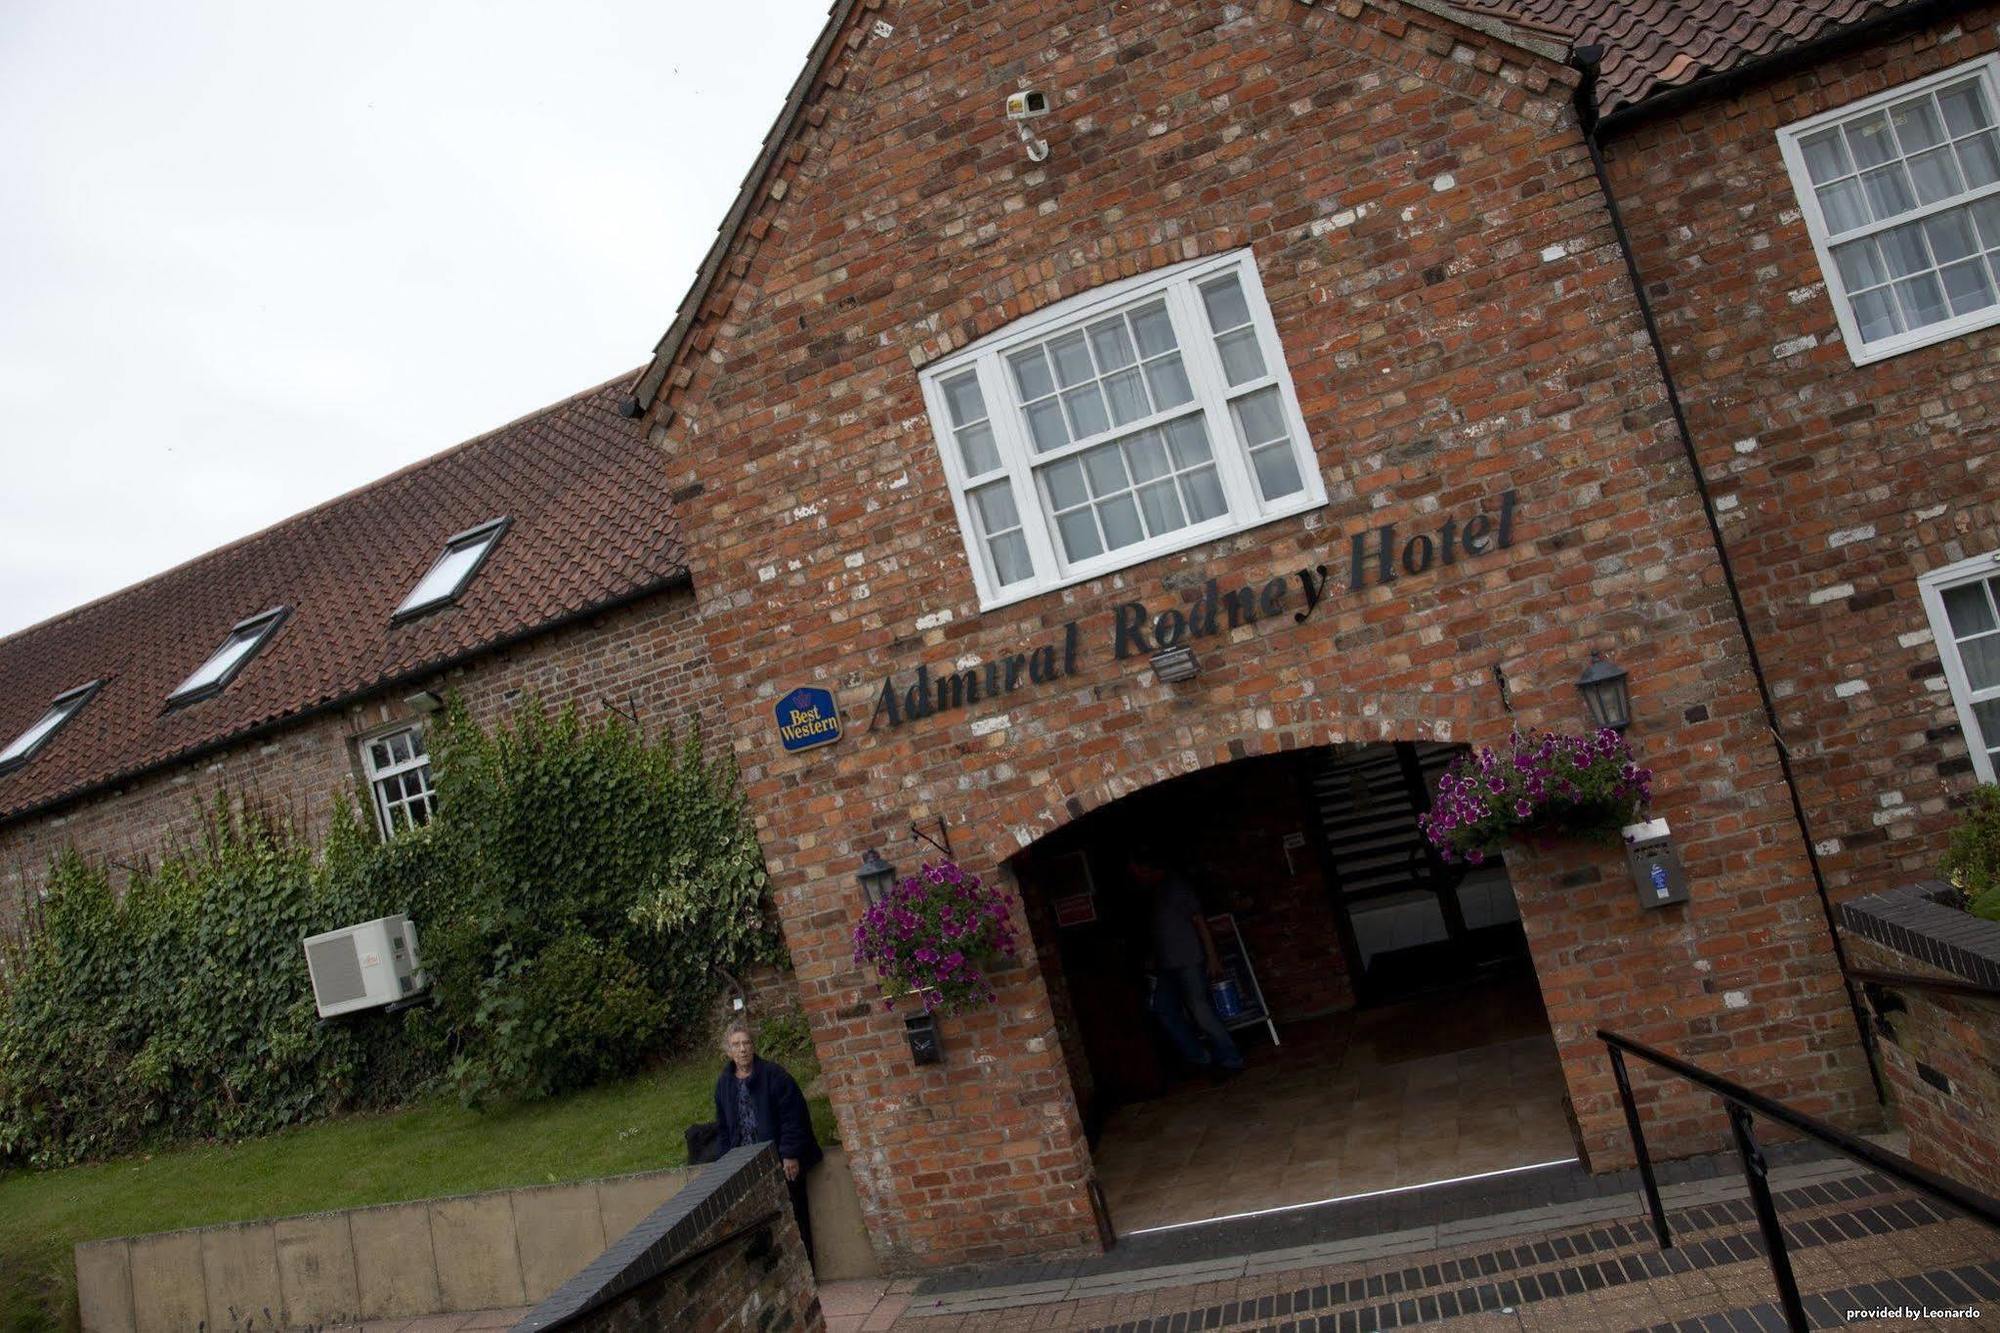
(1954, 1129)
(648, 659)
(1456, 318)
(1837, 485)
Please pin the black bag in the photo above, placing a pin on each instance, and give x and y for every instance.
(704, 1143)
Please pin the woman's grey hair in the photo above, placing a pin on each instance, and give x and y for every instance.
(737, 1025)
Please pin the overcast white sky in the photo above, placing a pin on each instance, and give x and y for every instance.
(253, 255)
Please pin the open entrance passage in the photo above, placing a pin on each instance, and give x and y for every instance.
(1381, 1004)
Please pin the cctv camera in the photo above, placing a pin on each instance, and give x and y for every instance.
(1027, 105)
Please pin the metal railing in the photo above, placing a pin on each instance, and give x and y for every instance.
(1741, 1103)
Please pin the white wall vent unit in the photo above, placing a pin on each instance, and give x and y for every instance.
(364, 966)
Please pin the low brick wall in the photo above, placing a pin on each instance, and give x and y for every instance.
(1942, 1061)
(433, 1256)
(723, 1254)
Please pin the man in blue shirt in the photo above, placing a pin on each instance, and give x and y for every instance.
(1185, 960)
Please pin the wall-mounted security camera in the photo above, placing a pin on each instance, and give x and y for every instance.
(1027, 105)
(1022, 107)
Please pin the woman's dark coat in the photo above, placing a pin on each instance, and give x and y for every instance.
(779, 1106)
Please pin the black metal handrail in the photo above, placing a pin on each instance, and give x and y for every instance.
(1948, 985)
(1741, 1102)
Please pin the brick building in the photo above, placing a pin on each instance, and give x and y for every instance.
(1395, 358)
(539, 560)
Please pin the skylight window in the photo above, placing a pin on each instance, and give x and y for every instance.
(214, 675)
(66, 706)
(463, 555)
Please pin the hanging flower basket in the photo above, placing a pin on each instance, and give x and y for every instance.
(1545, 786)
(937, 934)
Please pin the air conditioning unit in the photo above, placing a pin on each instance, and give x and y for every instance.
(364, 966)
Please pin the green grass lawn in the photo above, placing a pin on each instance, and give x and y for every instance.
(427, 1150)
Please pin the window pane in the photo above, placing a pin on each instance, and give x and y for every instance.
(399, 747)
(1903, 248)
(1078, 530)
(1126, 392)
(1844, 205)
(1065, 483)
(379, 754)
(1877, 315)
(1170, 381)
(1161, 504)
(1202, 490)
(1155, 331)
(1259, 417)
(995, 506)
(1241, 359)
(1965, 107)
(1935, 174)
(420, 813)
(1072, 360)
(1917, 124)
(1146, 455)
(1922, 300)
(1277, 471)
(1086, 410)
(1010, 558)
(1889, 191)
(32, 737)
(417, 748)
(448, 573)
(1950, 235)
(1981, 659)
(1860, 264)
(1987, 717)
(218, 666)
(1967, 287)
(975, 446)
(1869, 138)
(1106, 468)
(1188, 441)
(1826, 156)
(1986, 213)
(1968, 610)
(1226, 307)
(1112, 344)
(1120, 516)
(962, 398)
(1980, 156)
(1031, 374)
(1045, 423)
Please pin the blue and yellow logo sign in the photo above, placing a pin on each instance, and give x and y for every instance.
(807, 717)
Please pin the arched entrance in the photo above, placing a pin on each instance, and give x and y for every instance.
(1391, 1028)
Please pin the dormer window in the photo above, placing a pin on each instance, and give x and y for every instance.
(214, 675)
(462, 557)
(66, 706)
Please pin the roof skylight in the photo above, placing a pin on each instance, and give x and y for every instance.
(66, 705)
(212, 676)
(463, 555)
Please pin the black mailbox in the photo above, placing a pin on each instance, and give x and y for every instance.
(925, 1046)
(1656, 866)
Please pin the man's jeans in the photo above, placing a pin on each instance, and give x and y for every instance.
(1180, 1001)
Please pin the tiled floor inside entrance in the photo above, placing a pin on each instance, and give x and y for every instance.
(1429, 1090)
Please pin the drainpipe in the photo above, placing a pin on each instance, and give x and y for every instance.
(1585, 59)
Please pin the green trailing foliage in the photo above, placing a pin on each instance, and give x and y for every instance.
(1972, 858)
(574, 897)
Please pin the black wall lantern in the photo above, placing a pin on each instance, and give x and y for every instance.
(876, 876)
(1602, 686)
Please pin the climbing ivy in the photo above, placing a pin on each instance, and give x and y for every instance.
(574, 897)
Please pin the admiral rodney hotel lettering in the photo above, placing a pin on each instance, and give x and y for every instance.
(1380, 555)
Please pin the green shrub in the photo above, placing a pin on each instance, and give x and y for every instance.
(1972, 859)
(573, 898)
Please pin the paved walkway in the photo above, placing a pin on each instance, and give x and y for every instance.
(1858, 1244)
(480, 1320)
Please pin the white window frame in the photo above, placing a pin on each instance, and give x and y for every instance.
(52, 720)
(485, 537)
(1212, 397)
(384, 820)
(1987, 67)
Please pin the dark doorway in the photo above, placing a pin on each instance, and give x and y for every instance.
(1400, 1037)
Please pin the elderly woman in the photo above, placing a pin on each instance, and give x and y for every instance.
(756, 1101)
